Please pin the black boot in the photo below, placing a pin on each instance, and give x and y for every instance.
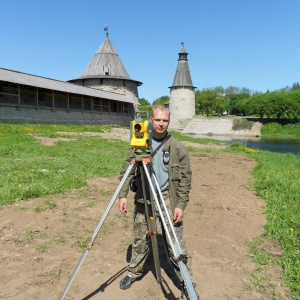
(126, 282)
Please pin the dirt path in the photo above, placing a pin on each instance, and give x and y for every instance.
(40, 238)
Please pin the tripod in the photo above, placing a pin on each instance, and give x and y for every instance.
(143, 161)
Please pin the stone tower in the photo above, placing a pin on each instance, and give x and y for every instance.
(182, 94)
(106, 72)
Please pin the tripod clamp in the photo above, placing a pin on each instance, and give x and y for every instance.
(151, 233)
(182, 257)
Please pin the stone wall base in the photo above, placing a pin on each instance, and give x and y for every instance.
(33, 115)
(219, 126)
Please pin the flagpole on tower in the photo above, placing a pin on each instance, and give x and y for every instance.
(106, 29)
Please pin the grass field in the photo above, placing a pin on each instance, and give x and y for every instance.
(30, 169)
(276, 179)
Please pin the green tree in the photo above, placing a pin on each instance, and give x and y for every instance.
(233, 108)
(296, 86)
(257, 105)
(235, 94)
(145, 105)
(230, 91)
(254, 105)
(245, 91)
(277, 104)
(293, 99)
(205, 100)
(161, 100)
(220, 90)
(144, 102)
(220, 104)
(242, 106)
(284, 89)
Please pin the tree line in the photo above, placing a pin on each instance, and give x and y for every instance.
(283, 103)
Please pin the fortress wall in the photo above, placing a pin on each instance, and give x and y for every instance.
(57, 116)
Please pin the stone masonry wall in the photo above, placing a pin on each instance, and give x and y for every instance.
(219, 126)
(114, 86)
(182, 107)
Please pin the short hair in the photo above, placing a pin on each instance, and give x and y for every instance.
(160, 107)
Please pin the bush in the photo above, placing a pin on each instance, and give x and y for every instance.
(242, 124)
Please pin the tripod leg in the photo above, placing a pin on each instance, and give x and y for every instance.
(178, 254)
(152, 229)
(89, 245)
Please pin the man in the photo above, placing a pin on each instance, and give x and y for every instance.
(171, 167)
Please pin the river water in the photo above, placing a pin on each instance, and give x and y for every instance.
(269, 144)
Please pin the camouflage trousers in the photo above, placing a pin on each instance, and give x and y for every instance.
(140, 245)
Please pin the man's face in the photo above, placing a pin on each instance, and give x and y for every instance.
(160, 122)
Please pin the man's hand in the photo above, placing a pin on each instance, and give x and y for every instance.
(178, 215)
(123, 205)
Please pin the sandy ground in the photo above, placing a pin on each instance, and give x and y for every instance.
(41, 238)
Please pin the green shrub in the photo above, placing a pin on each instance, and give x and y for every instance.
(276, 129)
(242, 124)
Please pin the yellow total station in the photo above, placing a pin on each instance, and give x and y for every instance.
(140, 133)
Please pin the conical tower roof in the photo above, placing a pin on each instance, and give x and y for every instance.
(182, 76)
(106, 63)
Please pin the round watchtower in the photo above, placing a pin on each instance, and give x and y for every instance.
(106, 72)
(182, 94)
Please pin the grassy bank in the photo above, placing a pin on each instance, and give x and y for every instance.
(205, 141)
(282, 131)
(276, 179)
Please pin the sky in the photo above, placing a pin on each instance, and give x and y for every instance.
(241, 43)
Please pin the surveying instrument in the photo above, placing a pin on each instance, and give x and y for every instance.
(140, 141)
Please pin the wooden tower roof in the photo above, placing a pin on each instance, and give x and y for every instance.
(182, 76)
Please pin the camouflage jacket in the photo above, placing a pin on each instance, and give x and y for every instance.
(179, 170)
